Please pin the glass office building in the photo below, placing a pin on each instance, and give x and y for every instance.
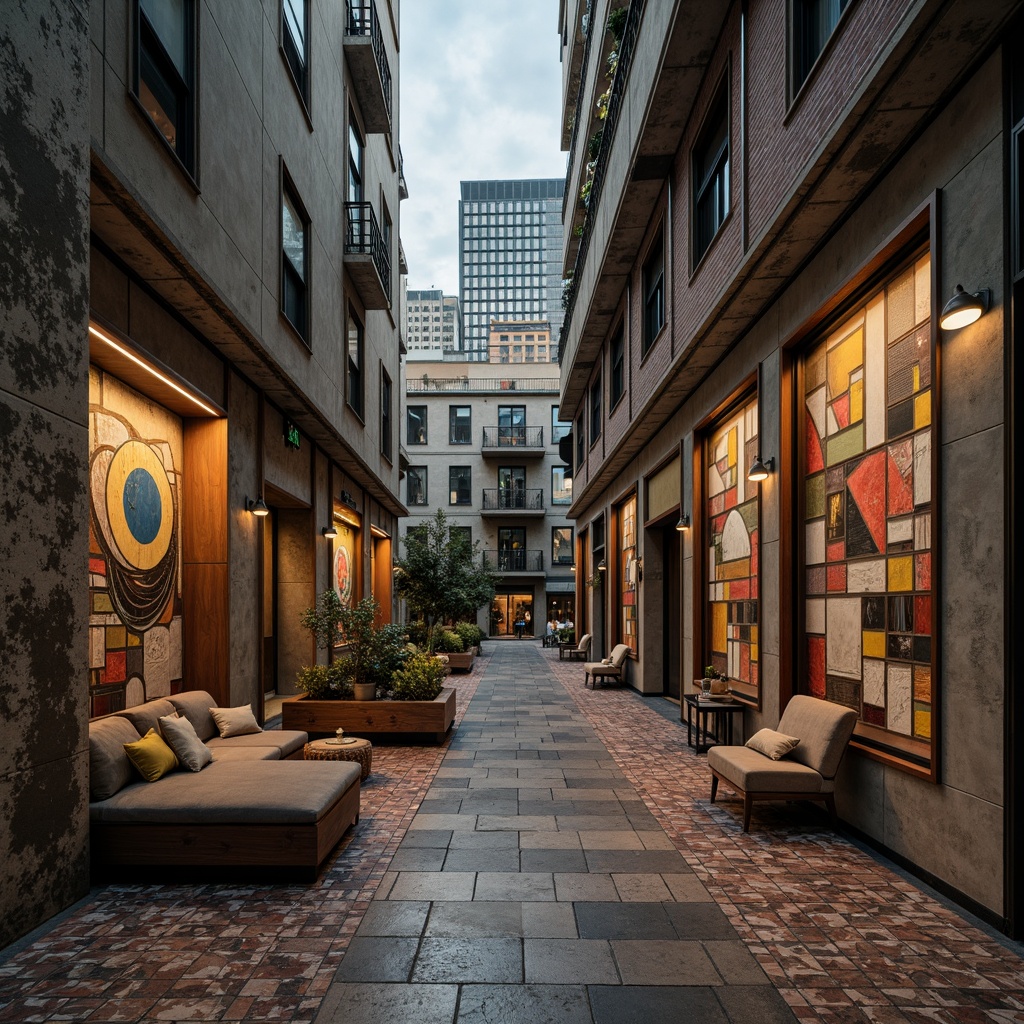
(510, 256)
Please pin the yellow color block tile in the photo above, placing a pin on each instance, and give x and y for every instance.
(116, 638)
(873, 643)
(134, 640)
(842, 361)
(857, 401)
(901, 573)
(923, 724)
(922, 410)
(719, 626)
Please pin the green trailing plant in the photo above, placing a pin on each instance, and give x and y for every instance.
(594, 145)
(447, 641)
(420, 678)
(617, 24)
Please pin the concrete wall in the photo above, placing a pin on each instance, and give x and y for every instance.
(44, 262)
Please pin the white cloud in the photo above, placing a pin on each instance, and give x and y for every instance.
(480, 98)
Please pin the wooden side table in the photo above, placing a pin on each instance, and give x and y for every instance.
(359, 750)
(721, 711)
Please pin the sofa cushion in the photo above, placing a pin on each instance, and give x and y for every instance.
(109, 767)
(227, 750)
(181, 737)
(195, 706)
(235, 721)
(772, 744)
(755, 773)
(824, 729)
(151, 756)
(285, 741)
(234, 793)
(147, 716)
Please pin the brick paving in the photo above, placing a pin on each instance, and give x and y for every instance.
(840, 937)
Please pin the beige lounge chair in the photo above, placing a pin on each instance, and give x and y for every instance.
(610, 669)
(575, 651)
(807, 772)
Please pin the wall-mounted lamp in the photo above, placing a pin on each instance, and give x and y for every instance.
(964, 308)
(601, 567)
(639, 570)
(257, 507)
(330, 532)
(760, 470)
(684, 522)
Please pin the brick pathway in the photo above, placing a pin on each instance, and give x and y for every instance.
(580, 802)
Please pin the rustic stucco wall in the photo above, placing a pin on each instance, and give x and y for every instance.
(44, 228)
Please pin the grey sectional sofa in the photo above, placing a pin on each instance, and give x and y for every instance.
(257, 805)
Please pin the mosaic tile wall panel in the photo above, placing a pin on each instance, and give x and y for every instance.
(868, 512)
(135, 464)
(627, 572)
(733, 528)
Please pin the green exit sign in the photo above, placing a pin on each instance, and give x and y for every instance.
(292, 437)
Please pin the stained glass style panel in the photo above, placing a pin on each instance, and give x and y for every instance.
(868, 506)
(732, 513)
(628, 572)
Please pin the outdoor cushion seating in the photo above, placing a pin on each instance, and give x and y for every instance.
(575, 651)
(610, 668)
(807, 772)
(256, 805)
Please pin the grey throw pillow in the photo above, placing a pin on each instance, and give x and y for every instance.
(182, 738)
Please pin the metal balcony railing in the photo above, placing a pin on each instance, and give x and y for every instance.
(515, 560)
(515, 498)
(363, 237)
(361, 20)
(485, 384)
(514, 437)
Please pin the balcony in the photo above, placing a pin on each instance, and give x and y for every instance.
(483, 385)
(368, 64)
(523, 442)
(517, 562)
(515, 501)
(403, 188)
(367, 258)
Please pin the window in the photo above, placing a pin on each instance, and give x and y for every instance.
(814, 21)
(460, 424)
(581, 443)
(628, 573)
(294, 261)
(511, 424)
(710, 176)
(385, 414)
(416, 424)
(511, 487)
(562, 546)
(165, 71)
(460, 485)
(618, 381)
(654, 293)
(595, 411)
(561, 489)
(354, 345)
(416, 485)
(512, 555)
(295, 43)
(355, 160)
(559, 428)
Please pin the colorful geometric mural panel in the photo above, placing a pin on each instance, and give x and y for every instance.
(867, 528)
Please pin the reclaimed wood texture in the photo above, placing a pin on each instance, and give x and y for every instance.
(460, 662)
(371, 717)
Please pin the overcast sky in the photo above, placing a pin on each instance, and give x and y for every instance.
(480, 98)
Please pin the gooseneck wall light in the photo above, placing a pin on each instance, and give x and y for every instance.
(257, 507)
(760, 469)
(330, 532)
(601, 566)
(964, 308)
(684, 523)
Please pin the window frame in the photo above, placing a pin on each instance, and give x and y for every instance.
(617, 360)
(288, 273)
(147, 43)
(467, 472)
(386, 418)
(653, 282)
(596, 415)
(355, 396)
(560, 501)
(300, 76)
(555, 560)
(408, 425)
(355, 185)
(452, 424)
(801, 69)
(420, 472)
(559, 428)
(719, 162)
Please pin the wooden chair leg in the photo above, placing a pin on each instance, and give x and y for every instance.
(830, 806)
(714, 787)
(748, 803)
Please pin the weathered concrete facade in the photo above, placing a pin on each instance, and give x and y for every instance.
(146, 284)
(901, 119)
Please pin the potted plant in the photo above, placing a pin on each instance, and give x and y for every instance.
(420, 678)
(713, 681)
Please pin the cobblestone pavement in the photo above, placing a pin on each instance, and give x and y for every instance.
(557, 859)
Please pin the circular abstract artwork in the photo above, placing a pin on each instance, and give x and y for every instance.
(343, 575)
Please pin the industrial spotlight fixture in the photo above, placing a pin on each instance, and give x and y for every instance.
(601, 567)
(684, 522)
(330, 532)
(760, 470)
(964, 308)
(257, 507)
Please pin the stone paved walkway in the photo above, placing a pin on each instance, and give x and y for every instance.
(558, 859)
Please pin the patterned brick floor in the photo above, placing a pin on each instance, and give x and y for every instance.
(843, 938)
(216, 952)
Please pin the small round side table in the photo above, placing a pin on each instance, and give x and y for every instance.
(360, 751)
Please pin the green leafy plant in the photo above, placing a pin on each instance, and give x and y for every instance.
(710, 672)
(326, 682)
(594, 144)
(617, 23)
(447, 641)
(469, 633)
(420, 678)
(417, 632)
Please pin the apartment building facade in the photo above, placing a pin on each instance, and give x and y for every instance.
(433, 325)
(200, 371)
(482, 443)
(521, 341)
(510, 256)
(768, 207)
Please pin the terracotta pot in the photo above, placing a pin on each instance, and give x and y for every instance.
(364, 691)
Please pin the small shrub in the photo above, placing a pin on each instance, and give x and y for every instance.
(447, 641)
(417, 633)
(470, 634)
(420, 678)
(326, 682)
(617, 22)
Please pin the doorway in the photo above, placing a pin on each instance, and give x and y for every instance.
(508, 609)
(671, 547)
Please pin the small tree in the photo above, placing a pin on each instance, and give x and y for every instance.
(442, 577)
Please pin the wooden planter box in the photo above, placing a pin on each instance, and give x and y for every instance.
(371, 717)
(461, 662)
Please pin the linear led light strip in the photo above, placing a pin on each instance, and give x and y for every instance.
(128, 354)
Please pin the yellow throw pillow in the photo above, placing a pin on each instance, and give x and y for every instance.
(775, 745)
(151, 756)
